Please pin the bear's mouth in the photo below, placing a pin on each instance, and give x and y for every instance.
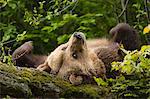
(78, 36)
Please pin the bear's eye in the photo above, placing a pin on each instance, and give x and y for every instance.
(74, 55)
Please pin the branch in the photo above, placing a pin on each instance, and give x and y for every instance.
(74, 6)
(147, 10)
(7, 42)
(124, 8)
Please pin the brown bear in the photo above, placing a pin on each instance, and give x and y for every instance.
(74, 61)
(107, 50)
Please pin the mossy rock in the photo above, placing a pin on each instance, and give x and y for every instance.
(28, 82)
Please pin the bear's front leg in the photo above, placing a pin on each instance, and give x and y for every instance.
(44, 67)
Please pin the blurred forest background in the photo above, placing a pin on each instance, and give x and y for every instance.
(49, 23)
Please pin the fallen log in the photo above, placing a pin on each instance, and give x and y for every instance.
(21, 82)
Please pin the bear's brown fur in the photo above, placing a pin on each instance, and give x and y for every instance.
(109, 51)
(96, 43)
(123, 33)
(23, 56)
(74, 61)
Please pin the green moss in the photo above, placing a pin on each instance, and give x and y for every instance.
(90, 90)
(5, 67)
(61, 83)
(29, 82)
(9, 85)
(34, 83)
(86, 91)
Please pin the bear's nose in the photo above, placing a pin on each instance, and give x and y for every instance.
(78, 36)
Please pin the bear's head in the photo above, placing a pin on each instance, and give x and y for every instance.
(79, 60)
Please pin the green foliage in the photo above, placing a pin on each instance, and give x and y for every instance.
(4, 57)
(141, 19)
(133, 80)
(48, 23)
(100, 82)
(136, 70)
(140, 14)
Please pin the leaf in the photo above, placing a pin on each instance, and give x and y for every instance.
(98, 15)
(146, 29)
(130, 95)
(6, 38)
(144, 48)
(3, 3)
(47, 28)
(63, 38)
(127, 69)
(21, 37)
(69, 16)
(12, 5)
(116, 66)
(100, 81)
